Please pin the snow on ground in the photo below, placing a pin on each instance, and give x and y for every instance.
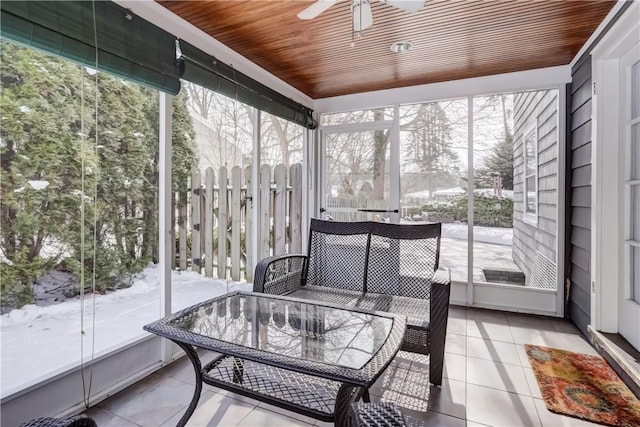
(38, 341)
(495, 235)
(492, 247)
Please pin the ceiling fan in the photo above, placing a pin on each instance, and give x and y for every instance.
(360, 10)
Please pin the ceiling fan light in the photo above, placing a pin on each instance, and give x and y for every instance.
(401, 46)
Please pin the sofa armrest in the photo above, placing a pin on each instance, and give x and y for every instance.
(439, 314)
(442, 277)
(280, 274)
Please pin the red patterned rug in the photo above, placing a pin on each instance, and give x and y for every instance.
(583, 386)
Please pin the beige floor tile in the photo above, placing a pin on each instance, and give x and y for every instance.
(500, 408)
(434, 419)
(550, 419)
(215, 410)
(455, 366)
(107, 419)
(456, 344)
(150, 402)
(457, 326)
(417, 395)
(487, 316)
(264, 418)
(457, 312)
(564, 326)
(522, 335)
(534, 388)
(573, 343)
(449, 399)
(492, 350)
(303, 418)
(497, 375)
(232, 395)
(392, 380)
(522, 355)
(181, 370)
(528, 321)
(403, 360)
(489, 330)
(488, 381)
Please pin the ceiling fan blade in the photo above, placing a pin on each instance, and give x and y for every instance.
(316, 9)
(362, 15)
(410, 6)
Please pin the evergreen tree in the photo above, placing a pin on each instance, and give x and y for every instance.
(40, 165)
(59, 162)
(429, 146)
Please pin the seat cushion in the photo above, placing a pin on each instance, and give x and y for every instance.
(416, 310)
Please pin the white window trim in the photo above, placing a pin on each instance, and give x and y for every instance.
(530, 218)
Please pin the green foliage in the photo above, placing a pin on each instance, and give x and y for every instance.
(489, 211)
(501, 161)
(62, 162)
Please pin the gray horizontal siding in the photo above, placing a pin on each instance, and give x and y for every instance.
(578, 185)
(579, 197)
(538, 108)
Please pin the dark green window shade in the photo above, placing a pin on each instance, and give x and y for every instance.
(128, 46)
(198, 67)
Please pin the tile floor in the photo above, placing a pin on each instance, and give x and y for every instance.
(488, 382)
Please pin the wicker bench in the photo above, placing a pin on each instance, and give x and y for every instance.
(376, 266)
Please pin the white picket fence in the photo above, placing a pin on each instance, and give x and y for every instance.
(213, 199)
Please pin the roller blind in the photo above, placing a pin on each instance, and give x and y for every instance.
(128, 46)
(205, 70)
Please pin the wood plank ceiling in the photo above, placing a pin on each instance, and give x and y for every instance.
(452, 39)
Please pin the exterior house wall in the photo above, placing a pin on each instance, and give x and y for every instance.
(578, 250)
(579, 204)
(537, 109)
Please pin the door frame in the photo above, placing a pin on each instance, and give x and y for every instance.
(394, 156)
(605, 262)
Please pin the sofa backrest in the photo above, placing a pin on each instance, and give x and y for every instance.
(394, 259)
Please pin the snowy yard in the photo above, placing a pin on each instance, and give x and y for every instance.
(40, 341)
(491, 248)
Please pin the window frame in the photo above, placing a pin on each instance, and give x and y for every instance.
(530, 217)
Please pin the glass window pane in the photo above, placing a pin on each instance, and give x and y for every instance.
(635, 90)
(88, 188)
(281, 141)
(635, 151)
(635, 213)
(635, 274)
(357, 175)
(433, 172)
(530, 153)
(493, 194)
(531, 194)
(359, 116)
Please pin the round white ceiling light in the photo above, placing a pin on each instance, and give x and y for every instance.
(402, 46)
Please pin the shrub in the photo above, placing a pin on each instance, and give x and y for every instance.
(489, 211)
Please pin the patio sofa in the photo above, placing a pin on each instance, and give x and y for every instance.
(376, 266)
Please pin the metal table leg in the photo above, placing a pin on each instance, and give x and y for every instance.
(195, 361)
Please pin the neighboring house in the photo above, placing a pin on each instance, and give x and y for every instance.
(213, 148)
(535, 182)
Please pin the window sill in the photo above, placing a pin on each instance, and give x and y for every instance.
(531, 219)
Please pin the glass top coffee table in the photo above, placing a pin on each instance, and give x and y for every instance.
(304, 356)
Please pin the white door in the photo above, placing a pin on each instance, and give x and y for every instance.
(629, 313)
